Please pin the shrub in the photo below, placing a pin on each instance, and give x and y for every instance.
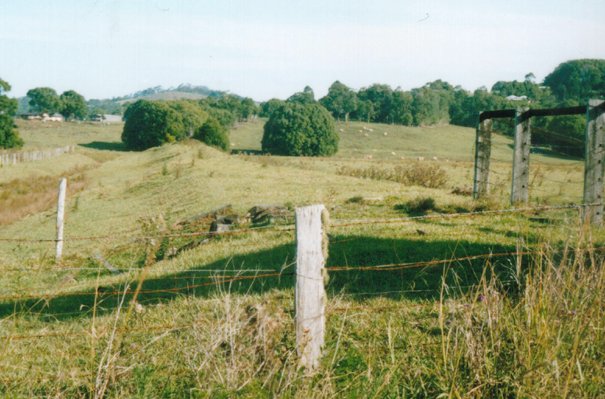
(9, 138)
(417, 206)
(193, 116)
(151, 124)
(417, 174)
(214, 134)
(300, 130)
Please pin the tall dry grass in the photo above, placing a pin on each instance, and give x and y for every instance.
(542, 337)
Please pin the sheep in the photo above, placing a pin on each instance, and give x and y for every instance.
(435, 159)
(420, 158)
(386, 134)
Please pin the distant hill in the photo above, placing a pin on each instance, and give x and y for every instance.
(182, 91)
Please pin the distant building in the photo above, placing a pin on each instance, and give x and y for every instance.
(44, 117)
(516, 98)
(53, 118)
(107, 118)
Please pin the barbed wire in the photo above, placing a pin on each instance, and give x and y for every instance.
(129, 291)
(354, 222)
(281, 228)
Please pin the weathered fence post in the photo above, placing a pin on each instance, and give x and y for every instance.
(60, 214)
(594, 161)
(483, 151)
(310, 293)
(520, 184)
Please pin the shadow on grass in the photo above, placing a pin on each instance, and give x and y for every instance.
(344, 251)
(105, 145)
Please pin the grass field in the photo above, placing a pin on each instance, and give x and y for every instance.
(206, 323)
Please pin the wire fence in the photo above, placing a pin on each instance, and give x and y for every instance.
(212, 278)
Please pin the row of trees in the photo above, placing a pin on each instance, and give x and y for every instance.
(70, 104)
(153, 123)
(571, 83)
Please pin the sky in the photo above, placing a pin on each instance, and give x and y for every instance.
(273, 48)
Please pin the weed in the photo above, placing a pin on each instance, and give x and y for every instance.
(418, 206)
(358, 199)
(416, 174)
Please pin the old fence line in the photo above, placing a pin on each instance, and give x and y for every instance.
(13, 158)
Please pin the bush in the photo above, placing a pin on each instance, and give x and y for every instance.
(214, 134)
(9, 138)
(151, 124)
(417, 206)
(416, 174)
(300, 130)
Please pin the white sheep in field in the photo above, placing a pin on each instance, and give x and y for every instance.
(368, 156)
(341, 130)
(366, 135)
(420, 158)
(393, 153)
(386, 134)
(435, 159)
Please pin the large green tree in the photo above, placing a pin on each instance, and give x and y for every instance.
(578, 80)
(340, 100)
(44, 99)
(268, 107)
(9, 137)
(214, 134)
(151, 124)
(191, 113)
(307, 96)
(73, 105)
(300, 130)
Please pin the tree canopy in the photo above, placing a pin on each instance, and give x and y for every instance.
(44, 99)
(578, 80)
(73, 105)
(9, 137)
(307, 96)
(340, 100)
(151, 124)
(214, 134)
(300, 130)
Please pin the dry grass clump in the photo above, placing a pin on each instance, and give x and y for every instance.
(22, 197)
(416, 174)
(543, 339)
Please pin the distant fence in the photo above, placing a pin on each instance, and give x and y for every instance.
(13, 158)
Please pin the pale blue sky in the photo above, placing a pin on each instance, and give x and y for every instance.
(272, 48)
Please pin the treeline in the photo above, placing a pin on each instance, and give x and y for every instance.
(152, 123)
(440, 102)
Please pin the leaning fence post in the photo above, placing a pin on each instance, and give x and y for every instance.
(60, 214)
(310, 295)
(483, 150)
(594, 161)
(520, 183)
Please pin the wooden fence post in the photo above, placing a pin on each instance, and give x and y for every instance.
(310, 293)
(483, 150)
(520, 184)
(60, 214)
(594, 161)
